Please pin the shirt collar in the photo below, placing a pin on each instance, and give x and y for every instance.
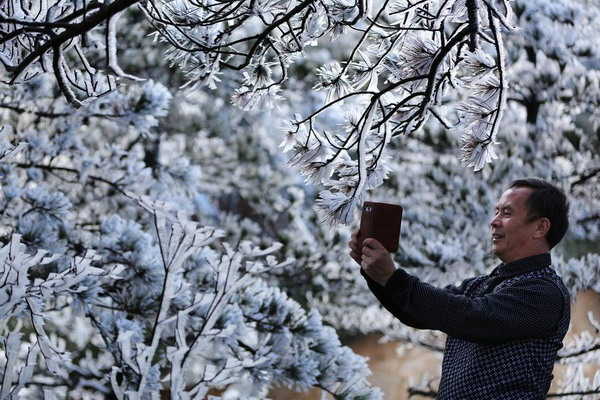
(523, 265)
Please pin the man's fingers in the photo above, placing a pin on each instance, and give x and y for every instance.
(372, 244)
(372, 250)
(355, 237)
(356, 251)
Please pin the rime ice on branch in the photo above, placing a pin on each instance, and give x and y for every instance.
(407, 58)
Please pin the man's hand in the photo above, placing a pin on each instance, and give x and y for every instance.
(373, 258)
(377, 261)
(355, 247)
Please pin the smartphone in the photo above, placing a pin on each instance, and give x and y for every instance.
(381, 221)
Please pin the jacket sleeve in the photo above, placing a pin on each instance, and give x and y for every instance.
(527, 309)
(387, 300)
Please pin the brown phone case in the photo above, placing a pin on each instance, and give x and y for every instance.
(381, 221)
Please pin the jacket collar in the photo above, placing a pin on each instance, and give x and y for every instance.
(523, 265)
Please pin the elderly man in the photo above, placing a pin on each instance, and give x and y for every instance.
(504, 329)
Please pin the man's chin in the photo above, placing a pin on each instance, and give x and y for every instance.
(495, 251)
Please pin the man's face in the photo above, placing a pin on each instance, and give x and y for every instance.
(512, 232)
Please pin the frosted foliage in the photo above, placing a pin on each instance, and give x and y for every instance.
(114, 287)
(236, 330)
(400, 67)
(580, 274)
(406, 61)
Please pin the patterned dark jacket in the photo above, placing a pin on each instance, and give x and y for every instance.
(504, 329)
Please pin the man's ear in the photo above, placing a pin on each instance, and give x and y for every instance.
(542, 226)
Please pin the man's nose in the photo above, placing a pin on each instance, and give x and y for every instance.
(495, 221)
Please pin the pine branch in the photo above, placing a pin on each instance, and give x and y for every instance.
(417, 392)
(578, 353)
(51, 168)
(588, 219)
(585, 177)
(57, 42)
(473, 10)
(90, 22)
(580, 393)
